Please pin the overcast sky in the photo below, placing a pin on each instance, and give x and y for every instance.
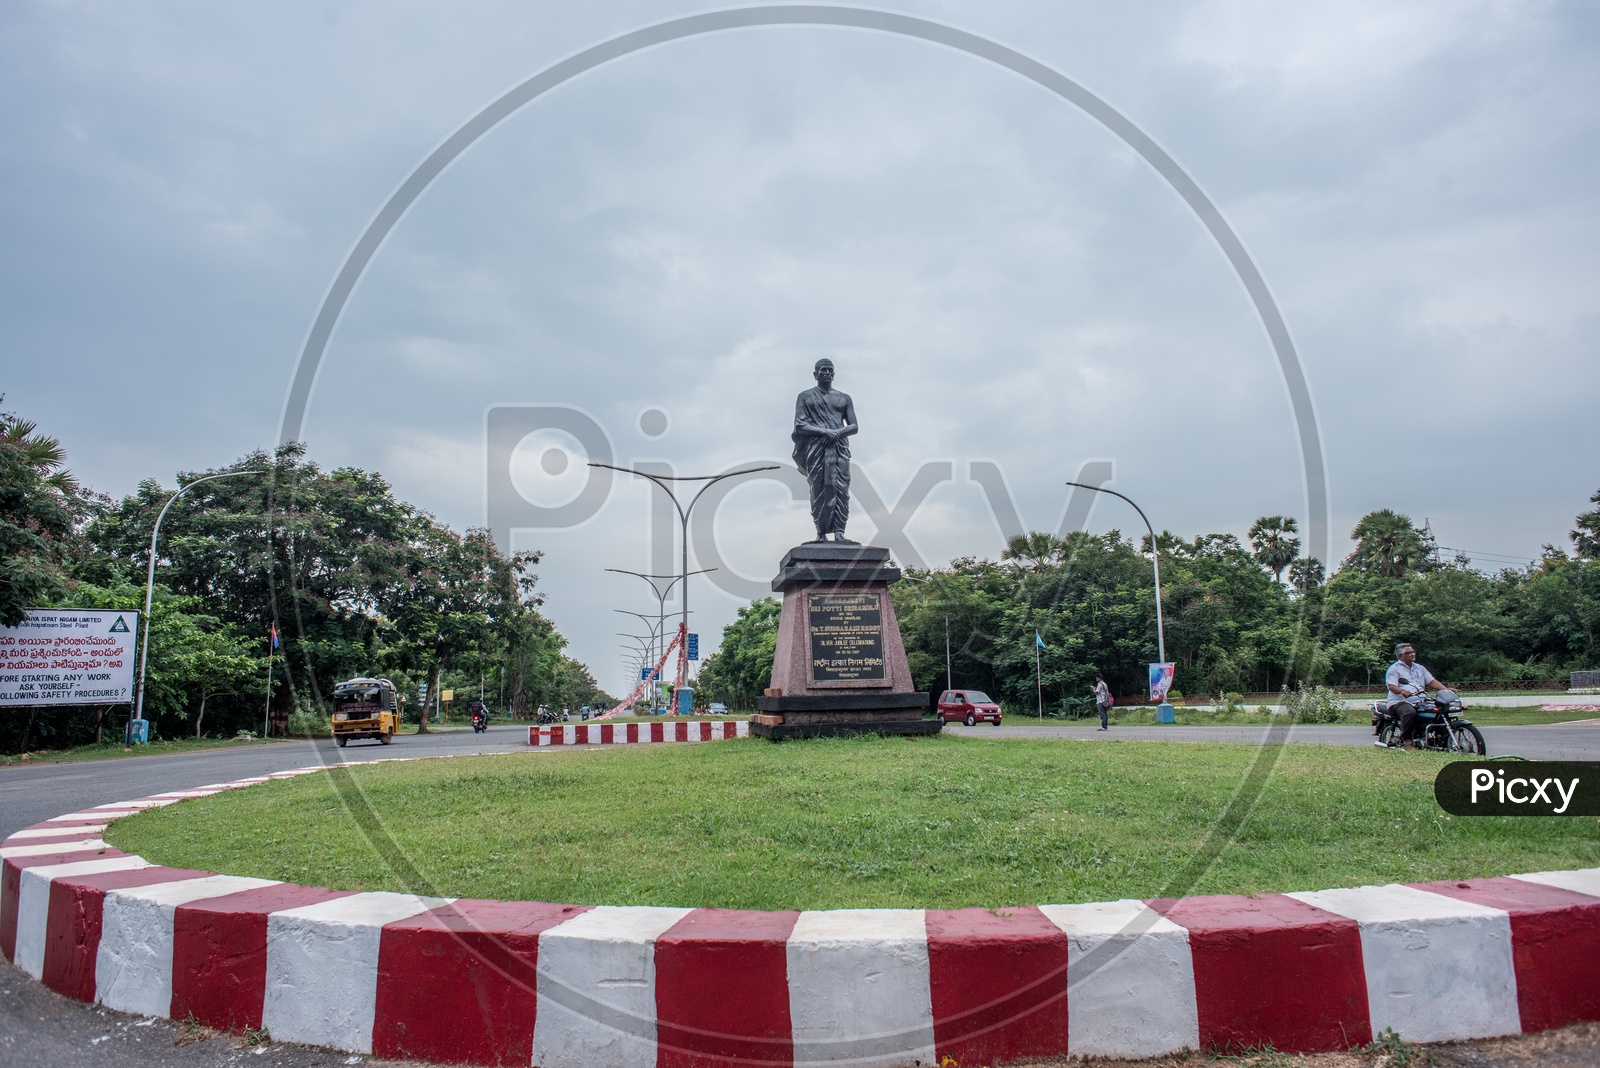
(997, 277)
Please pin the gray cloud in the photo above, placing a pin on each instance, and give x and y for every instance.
(997, 277)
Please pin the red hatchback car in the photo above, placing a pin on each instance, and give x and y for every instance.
(968, 706)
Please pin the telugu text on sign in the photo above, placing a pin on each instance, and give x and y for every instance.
(846, 637)
(64, 656)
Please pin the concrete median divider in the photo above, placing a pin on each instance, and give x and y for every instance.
(492, 982)
(638, 733)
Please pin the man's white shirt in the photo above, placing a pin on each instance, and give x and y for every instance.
(1417, 678)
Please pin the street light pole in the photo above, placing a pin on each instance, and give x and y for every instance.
(655, 632)
(1155, 555)
(683, 520)
(150, 579)
(1164, 711)
(660, 592)
(645, 653)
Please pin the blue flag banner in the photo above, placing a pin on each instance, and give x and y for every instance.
(1038, 639)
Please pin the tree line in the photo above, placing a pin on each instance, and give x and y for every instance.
(1256, 617)
(354, 580)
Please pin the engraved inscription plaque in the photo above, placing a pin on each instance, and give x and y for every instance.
(846, 637)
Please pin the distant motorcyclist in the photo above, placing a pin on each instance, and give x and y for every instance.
(1407, 681)
(480, 713)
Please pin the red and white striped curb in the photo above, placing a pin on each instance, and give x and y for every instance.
(637, 733)
(571, 986)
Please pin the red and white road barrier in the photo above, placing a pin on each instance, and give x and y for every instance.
(570, 986)
(637, 733)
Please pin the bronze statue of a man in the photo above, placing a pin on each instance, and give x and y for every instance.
(824, 419)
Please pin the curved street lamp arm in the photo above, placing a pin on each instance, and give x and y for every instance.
(714, 479)
(661, 591)
(1155, 557)
(1136, 508)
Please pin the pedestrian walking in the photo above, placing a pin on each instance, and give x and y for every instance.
(1102, 701)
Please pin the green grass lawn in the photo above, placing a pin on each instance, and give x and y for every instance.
(866, 822)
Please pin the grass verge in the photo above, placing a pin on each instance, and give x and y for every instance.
(847, 823)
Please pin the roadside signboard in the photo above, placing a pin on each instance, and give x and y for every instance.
(68, 656)
(694, 647)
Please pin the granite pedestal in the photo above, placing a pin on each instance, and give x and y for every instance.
(840, 664)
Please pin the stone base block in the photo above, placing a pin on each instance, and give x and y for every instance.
(777, 732)
(818, 716)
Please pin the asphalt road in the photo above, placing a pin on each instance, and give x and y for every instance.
(1550, 741)
(31, 794)
(39, 1027)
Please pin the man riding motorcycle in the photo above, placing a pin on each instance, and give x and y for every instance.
(1407, 680)
(480, 713)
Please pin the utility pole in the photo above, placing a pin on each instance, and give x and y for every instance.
(947, 683)
(266, 714)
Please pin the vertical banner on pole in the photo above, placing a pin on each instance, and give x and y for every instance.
(1160, 686)
(1160, 681)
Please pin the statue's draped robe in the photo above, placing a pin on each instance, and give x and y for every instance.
(826, 464)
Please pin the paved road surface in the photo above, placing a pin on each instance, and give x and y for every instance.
(1551, 741)
(41, 1028)
(31, 794)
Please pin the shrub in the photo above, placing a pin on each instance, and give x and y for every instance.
(1316, 705)
(303, 724)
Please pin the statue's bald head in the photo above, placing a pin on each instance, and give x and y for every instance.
(820, 364)
(823, 373)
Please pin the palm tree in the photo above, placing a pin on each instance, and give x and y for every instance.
(38, 503)
(1306, 574)
(1037, 551)
(43, 454)
(1388, 544)
(1275, 547)
(1587, 537)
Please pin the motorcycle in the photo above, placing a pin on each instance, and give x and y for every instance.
(480, 721)
(1440, 725)
(546, 716)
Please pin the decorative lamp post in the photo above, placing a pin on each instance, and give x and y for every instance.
(683, 520)
(150, 582)
(1164, 712)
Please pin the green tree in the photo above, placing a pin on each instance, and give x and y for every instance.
(1389, 545)
(1306, 574)
(320, 554)
(1272, 538)
(462, 597)
(1586, 539)
(39, 505)
(742, 665)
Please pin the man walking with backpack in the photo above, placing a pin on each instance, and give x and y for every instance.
(1103, 701)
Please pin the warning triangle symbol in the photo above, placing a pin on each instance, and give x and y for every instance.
(119, 627)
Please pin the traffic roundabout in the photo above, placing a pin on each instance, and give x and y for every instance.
(463, 980)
